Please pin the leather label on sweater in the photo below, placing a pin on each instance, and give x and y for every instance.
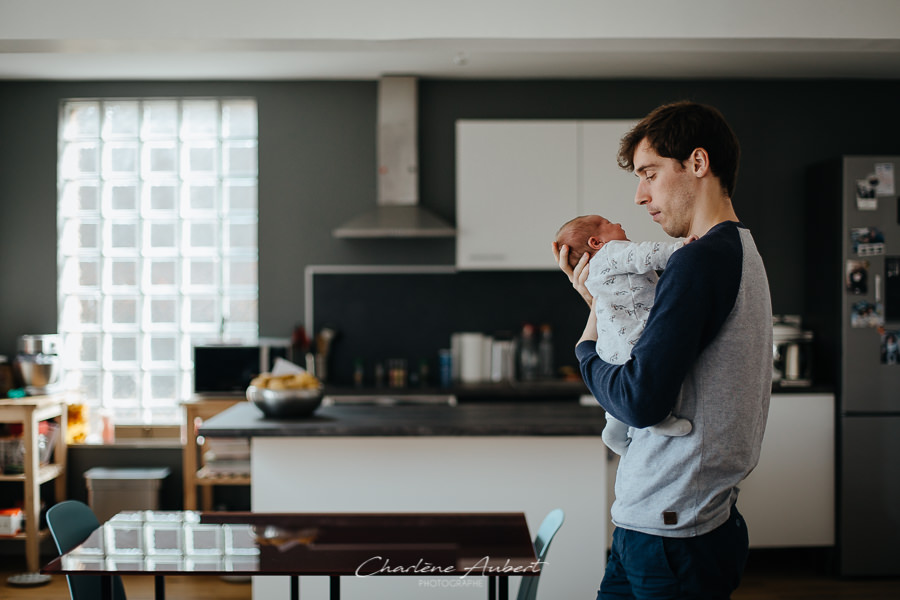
(670, 517)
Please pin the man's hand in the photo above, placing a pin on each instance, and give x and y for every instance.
(578, 275)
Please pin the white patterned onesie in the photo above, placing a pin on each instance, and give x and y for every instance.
(622, 279)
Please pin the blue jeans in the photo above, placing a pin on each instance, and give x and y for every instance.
(706, 567)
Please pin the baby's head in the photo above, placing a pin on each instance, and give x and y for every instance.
(586, 235)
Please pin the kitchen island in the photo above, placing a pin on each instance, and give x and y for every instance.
(530, 457)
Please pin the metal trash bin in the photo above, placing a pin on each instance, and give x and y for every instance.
(114, 490)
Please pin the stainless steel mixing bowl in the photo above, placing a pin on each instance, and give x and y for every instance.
(41, 373)
(285, 404)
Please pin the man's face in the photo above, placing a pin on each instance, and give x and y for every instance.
(666, 189)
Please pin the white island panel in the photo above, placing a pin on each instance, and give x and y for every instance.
(533, 475)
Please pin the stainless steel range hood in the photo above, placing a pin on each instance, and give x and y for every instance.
(397, 213)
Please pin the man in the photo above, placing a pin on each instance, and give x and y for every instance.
(705, 355)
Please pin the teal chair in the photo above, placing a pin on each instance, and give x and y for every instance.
(70, 523)
(552, 522)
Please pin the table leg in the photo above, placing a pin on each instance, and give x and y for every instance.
(106, 587)
(295, 587)
(504, 588)
(492, 588)
(159, 587)
(335, 587)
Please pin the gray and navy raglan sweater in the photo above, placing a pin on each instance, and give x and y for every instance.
(710, 336)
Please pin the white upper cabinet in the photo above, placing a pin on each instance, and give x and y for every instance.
(518, 181)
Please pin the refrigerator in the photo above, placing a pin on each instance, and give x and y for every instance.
(853, 305)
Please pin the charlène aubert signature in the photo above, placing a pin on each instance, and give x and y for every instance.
(483, 566)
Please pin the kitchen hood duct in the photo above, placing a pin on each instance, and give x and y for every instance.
(397, 213)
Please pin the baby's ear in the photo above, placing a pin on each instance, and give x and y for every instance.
(595, 242)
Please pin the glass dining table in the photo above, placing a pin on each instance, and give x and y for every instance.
(334, 545)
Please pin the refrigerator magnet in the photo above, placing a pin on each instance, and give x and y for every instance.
(857, 276)
(884, 172)
(865, 193)
(867, 241)
(866, 314)
(890, 348)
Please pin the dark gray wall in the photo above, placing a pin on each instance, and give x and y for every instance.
(317, 168)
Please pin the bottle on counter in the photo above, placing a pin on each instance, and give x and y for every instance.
(545, 352)
(299, 344)
(528, 354)
(445, 367)
(424, 372)
(358, 373)
(379, 374)
(397, 373)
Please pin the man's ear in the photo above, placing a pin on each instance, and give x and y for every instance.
(699, 162)
(595, 242)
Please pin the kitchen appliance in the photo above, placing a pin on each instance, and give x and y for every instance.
(397, 213)
(38, 364)
(224, 368)
(854, 229)
(791, 353)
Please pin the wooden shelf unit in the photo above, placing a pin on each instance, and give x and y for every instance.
(30, 412)
(195, 473)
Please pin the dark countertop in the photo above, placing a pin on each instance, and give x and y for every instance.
(819, 388)
(526, 390)
(517, 410)
(546, 390)
(494, 419)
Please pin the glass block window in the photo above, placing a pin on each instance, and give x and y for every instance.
(157, 244)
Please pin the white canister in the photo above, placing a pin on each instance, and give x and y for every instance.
(487, 343)
(503, 360)
(471, 357)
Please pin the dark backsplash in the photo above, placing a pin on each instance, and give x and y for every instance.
(412, 315)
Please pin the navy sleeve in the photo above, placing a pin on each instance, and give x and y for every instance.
(694, 296)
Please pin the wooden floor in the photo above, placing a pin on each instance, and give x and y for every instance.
(807, 575)
(139, 588)
(770, 575)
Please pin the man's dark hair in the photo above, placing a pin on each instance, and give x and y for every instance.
(675, 130)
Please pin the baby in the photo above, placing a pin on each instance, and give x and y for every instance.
(622, 279)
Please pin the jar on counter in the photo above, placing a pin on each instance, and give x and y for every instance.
(77, 422)
(6, 376)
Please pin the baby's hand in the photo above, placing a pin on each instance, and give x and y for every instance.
(690, 239)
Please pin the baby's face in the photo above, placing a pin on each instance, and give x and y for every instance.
(607, 231)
